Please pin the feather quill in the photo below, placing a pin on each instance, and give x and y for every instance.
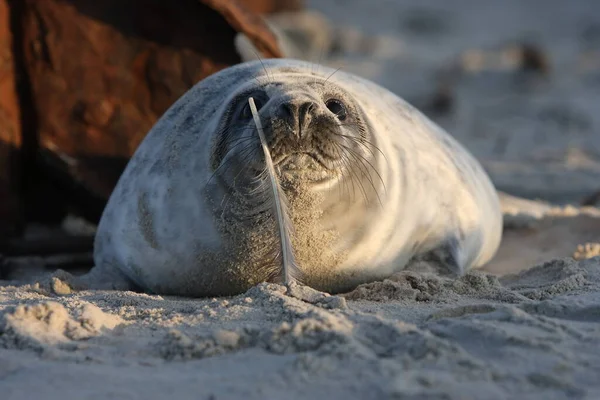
(289, 270)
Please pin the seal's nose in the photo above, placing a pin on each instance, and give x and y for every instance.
(296, 113)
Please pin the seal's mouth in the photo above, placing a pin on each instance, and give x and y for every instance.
(294, 167)
(304, 166)
(300, 161)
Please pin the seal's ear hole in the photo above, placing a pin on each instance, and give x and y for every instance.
(337, 107)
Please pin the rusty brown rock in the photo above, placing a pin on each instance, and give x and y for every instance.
(272, 6)
(99, 74)
(10, 129)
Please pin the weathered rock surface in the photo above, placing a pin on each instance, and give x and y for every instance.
(93, 77)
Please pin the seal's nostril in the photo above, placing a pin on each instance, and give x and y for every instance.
(304, 112)
(296, 114)
(287, 111)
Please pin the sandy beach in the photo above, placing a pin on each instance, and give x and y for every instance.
(526, 326)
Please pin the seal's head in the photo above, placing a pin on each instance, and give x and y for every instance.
(324, 155)
(316, 131)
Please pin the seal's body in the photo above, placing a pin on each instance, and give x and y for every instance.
(372, 183)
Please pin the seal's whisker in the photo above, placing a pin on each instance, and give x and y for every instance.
(223, 160)
(347, 167)
(362, 159)
(226, 165)
(228, 196)
(269, 77)
(357, 154)
(364, 142)
(244, 159)
(353, 171)
(318, 64)
(340, 160)
(237, 141)
(355, 179)
(348, 155)
(227, 137)
(359, 158)
(333, 73)
(364, 169)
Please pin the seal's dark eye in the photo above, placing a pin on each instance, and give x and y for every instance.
(336, 107)
(246, 112)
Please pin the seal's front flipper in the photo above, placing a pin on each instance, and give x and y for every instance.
(445, 259)
(99, 278)
(106, 277)
(450, 257)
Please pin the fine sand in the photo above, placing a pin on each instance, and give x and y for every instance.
(535, 334)
(525, 327)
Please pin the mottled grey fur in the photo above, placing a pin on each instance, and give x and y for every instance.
(400, 186)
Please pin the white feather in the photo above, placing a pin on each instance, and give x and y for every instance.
(289, 269)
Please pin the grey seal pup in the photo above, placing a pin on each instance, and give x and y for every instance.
(372, 185)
